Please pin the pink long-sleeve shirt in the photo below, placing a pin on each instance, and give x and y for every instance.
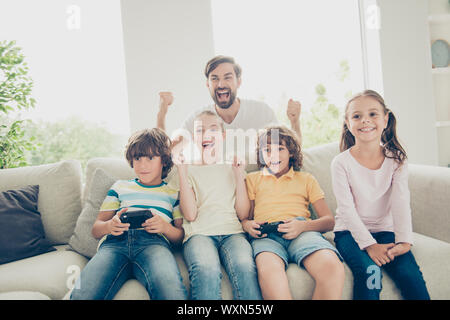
(370, 201)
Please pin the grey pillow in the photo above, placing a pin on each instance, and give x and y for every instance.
(22, 233)
(82, 240)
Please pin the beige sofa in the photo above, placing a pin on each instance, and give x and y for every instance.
(62, 198)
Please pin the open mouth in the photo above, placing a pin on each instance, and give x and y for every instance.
(207, 144)
(223, 94)
(275, 165)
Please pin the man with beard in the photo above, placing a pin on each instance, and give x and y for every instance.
(223, 76)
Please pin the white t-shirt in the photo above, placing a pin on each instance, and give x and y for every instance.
(215, 193)
(252, 114)
(370, 201)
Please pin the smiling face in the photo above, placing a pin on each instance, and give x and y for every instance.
(208, 136)
(223, 84)
(276, 158)
(366, 119)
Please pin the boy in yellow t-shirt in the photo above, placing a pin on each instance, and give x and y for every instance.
(279, 192)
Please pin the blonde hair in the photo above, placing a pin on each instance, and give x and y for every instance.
(210, 113)
(391, 146)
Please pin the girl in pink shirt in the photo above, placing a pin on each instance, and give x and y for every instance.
(373, 227)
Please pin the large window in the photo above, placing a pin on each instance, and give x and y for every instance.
(301, 49)
(75, 56)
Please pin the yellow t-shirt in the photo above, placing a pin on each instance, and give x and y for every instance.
(282, 198)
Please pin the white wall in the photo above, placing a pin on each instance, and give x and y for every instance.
(167, 44)
(405, 62)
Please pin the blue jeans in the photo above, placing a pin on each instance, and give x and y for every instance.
(134, 254)
(203, 255)
(403, 270)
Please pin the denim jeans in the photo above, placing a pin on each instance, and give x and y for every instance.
(134, 254)
(294, 250)
(403, 270)
(203, 256)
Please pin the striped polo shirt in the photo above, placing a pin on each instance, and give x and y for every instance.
(132, 194)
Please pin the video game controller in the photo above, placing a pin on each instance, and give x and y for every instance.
(271, 227)
(136, 218)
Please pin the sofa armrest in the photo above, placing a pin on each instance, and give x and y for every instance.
(430, 200)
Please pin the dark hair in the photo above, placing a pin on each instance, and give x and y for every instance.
(214, 62)
(280, 134)
(150, 143)
(391, 146)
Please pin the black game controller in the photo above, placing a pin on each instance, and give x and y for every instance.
(271, 227)
(136, 218)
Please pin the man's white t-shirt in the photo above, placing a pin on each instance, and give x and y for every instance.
(252, 114)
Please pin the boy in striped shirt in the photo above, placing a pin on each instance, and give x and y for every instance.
(143, 253)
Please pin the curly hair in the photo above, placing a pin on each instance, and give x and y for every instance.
(150, 143)
(277, 135)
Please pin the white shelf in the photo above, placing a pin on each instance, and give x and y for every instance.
(441, 70)
(439, 18)
(441, 124)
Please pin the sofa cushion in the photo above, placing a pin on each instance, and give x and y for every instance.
(317, 161)
(59, 194)
(429, 187)
(22, 234)
(82, 240)
(23, 295)
(52, 273)
(118, 168)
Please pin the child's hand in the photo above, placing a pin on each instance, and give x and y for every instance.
(292, 228)
(165, 100)
(252, 228)
(238, 167)
(177, 153)
(293, 110)
(115, 226)
(398, 250)
(155, 224)
(379, 253)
